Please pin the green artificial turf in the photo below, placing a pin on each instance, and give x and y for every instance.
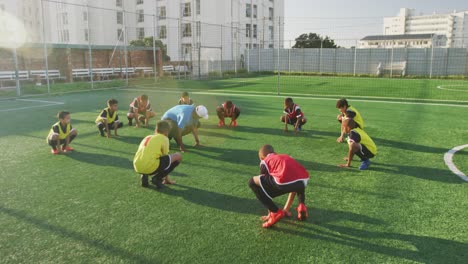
(87, 206)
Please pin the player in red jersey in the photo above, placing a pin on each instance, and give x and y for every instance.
(230, 110)
(293, 115)
(280, 174)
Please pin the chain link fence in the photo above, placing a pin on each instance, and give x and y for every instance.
(74, 46)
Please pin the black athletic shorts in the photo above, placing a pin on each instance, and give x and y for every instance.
(272, 189)
(164, 164)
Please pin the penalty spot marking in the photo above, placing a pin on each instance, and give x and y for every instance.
(45, 104)
(448, 158)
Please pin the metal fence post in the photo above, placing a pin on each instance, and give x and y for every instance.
(46, 59)
(355, 58)
(391, 62)
(18, 87)
(154, 42)
(432, 60)
(125, 47)
(278, 59)
(90, 55)
(320, 56)
(221, 66)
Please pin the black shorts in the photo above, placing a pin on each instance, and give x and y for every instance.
(272, 189)
(52, 142)
(174, 130)
(164, 164)
(365, 153)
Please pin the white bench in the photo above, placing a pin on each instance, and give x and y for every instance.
(125, 71)
(169, 69)
(80, 73)
(39, 75)
(182, 68)
(145, 70)
(11, 75)
(104, 73)
(394, 68)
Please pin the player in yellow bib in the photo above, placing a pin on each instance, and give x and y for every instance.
(359, 143)
(108, 119)
(347, 112)
(153, 159)
(61, 134)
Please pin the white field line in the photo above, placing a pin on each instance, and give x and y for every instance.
(448, 158)
(442, 87)
(310, 95)
(40, 101)
(47, 103)
(303, 98)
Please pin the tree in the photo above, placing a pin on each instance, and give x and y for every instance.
(148, 42)
(313, 40)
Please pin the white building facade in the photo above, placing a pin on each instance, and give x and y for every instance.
(453, 25)
(223, 27)
(403, 41)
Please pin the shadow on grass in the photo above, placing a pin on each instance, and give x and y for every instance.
(101, 159)
(215, 200)
(432, 174)
(80, 238)
(428, 249)
(236, 156)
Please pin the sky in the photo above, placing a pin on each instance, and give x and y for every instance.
(348, 21)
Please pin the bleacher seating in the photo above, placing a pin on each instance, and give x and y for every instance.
(145, 70)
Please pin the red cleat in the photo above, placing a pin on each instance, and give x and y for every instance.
(54, 151)
(233, 123)
(302, 212)
(68, 148)
(221, 123)
(273, 218)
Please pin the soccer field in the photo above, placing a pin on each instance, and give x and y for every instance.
(88, 207)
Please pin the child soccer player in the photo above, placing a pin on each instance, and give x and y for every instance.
(61, 134)
(292, 115)
(280, 174)
(228, 109)
(108, 119)
(140, 109)
(359, 143)
(185, 99)
(153, 158)
(347, 111)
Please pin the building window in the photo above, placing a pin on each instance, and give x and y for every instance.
(85, 16)
(186, 49)
(162, 32)
(270, 46)
(86, 34)
(186, 30)
(64, 18)
(255, 11)
(119, 18)
(270, 13)
(2, 7)
(64, 35)
(141, 16)
(248, 30)
(140, 33)
(162, 12)
(187, 10)
(139, 2)
(272, 32)
(198, 6)
(119, 34)
(198, 29)
(248, 10)
(255, 31)
(118, 3)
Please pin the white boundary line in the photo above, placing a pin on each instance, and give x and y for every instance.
(47, 103)
(448, 158)
(303, 98)
(441, 87)
(310, 95)
(40, 101)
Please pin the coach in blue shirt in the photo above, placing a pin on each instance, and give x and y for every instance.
(184, 119)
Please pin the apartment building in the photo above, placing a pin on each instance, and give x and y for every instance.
(453, 25)
(225, 27)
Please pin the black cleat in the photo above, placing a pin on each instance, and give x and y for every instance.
(158, 182)
(144, 180)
